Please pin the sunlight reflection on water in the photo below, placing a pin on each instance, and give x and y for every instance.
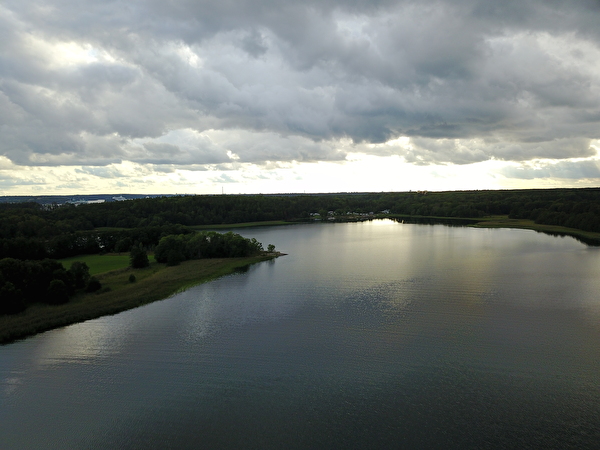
(370, 335)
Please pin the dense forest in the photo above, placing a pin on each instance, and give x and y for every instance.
(35, 231)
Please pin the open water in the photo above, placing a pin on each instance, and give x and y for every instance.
(367, 335)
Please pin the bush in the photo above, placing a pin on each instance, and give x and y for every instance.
(80, 274)
(93, 285)
(57, 293)
(11, 299)
(170, 250)
(123, 245)
(138, 257)
(174, 258)
(132, 278)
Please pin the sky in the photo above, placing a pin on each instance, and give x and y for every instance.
(280, 96)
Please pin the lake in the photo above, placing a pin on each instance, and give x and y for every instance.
(366, 335)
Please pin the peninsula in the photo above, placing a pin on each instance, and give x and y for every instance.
(119, 293)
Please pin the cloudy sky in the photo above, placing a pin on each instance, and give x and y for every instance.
(207, 96)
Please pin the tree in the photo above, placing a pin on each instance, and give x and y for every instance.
(123, 245)
(138, 257)
(11, 299)
(93, 285)
(174, 257)
(170, 249)
(270, 248)
(80, 273)
(57, 293)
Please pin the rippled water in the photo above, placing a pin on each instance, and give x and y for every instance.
(368, 335)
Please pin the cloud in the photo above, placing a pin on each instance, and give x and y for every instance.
(102, 172)
(571, 170)
(426, 151)
(204, 83)
(254, 43)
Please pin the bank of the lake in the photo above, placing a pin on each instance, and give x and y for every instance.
(587, 237)
(153, 283)
(267, 223)
(498, 221)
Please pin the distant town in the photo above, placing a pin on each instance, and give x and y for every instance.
(75, 199)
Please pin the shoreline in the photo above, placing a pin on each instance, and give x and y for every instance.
(159, 282)
(587, 237)
(118, 294)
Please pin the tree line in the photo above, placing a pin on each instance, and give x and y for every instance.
(174, 249)
(34, 231)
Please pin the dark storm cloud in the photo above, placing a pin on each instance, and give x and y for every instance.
(82, 82)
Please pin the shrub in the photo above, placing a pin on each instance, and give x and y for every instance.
(138, 257)
(80, 274)
(93, 285)
(11, 299)
(57, 293)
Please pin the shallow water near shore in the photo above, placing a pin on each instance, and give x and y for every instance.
(366, 335)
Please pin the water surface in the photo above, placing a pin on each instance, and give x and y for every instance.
(367, 335)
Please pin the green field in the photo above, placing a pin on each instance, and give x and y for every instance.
(100, 263)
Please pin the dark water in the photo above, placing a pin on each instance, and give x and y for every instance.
(367, 335)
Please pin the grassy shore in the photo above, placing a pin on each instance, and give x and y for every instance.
(226, 226)
(119, 294)
(587, 237)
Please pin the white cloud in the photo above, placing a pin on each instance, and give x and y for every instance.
(210, 86)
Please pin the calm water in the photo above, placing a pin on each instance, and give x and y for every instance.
(368, 335)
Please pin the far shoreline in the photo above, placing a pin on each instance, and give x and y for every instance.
(587, 237)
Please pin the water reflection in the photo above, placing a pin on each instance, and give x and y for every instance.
(233, 302)
(373, 334)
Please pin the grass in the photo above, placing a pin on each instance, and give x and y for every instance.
(118, 294)
(266, 223)
(99, 263)
(587, 237)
